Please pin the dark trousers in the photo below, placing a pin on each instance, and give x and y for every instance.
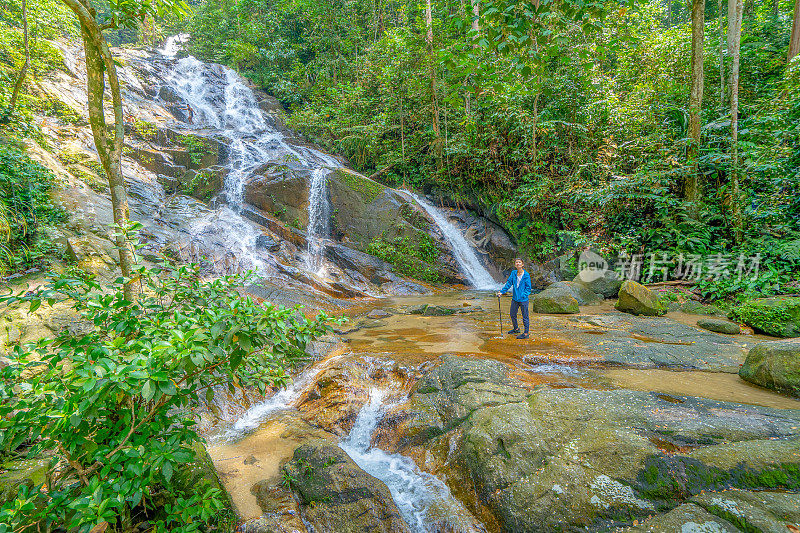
(523, 306)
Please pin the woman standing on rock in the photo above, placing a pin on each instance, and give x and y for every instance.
(520, 284)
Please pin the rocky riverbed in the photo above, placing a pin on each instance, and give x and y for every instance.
(600, 420)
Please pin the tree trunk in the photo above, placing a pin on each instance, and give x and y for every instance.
(692, 185)
(434, 104)
(794, 42)
(734, 26)
(734, 41)
(23, 71)
(476, 15)
(99, 65)
(721, 50)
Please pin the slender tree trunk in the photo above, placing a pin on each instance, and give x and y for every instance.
(476, 15)
(6, 117)
(721, 50)
(734, 42)
(99, 65)
(794, 42)
(734, 26)
(434, 104)
(692, 183)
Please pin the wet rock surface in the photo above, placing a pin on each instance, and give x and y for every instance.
(336, 495)
(560, 459)
(775, 365)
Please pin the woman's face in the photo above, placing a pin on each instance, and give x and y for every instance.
(518, 264)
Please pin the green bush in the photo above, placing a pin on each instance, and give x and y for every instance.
(112, 407)
(412, 259)
(26, 210)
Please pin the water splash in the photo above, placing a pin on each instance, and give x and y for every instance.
(284, 398)
(422, 498)
(464, 253)
(319, 213)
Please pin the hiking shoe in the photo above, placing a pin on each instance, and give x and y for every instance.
(513, 331)
(523, 336)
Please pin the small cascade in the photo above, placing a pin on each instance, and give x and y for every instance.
(423, 499)
(319, 213)
(284, 398)
(464, 253)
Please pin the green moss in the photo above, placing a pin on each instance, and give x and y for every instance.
(668, 480)
(144, 129)
(197, 147)
(778, 316)
(413, 259)
(368, 189)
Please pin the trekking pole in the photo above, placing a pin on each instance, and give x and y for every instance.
(500, 314)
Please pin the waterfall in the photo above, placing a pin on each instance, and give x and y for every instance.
(319, 212)
(464, 253)
(222, 106)
(422, 498)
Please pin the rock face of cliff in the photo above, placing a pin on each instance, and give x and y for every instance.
(215, 177)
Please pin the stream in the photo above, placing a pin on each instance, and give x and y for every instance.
(441, 421)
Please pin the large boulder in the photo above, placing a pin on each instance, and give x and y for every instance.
(374, 269)
(778, 316)
(605, 283)
(580, 292)
(554, 300)
(775, 365)
(336, 495)
(637, 299)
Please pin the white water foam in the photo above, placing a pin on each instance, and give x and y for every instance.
(319, 213)
(284, 398)
(463, 251)
(422, 498)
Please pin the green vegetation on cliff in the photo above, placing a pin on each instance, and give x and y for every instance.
(558, 120)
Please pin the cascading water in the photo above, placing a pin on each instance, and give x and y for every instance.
(464, 253)
(319, 212)
(284, 398)
(422, 498)
(220, 105)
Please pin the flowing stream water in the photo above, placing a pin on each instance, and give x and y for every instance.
(463, 251)
(422, 498)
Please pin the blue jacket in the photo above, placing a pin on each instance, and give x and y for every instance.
(524, 291)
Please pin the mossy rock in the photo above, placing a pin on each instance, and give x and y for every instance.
(719, 326)
(775, 365)
(637, 299)
(696, 308)
(21, 473)
(778, 316)
(554, 300)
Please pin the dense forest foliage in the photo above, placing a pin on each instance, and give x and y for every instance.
(566, 126)
(567, 123)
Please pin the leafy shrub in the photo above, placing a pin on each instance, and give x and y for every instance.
(25, 210)
(411, 259)
(112, 407)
